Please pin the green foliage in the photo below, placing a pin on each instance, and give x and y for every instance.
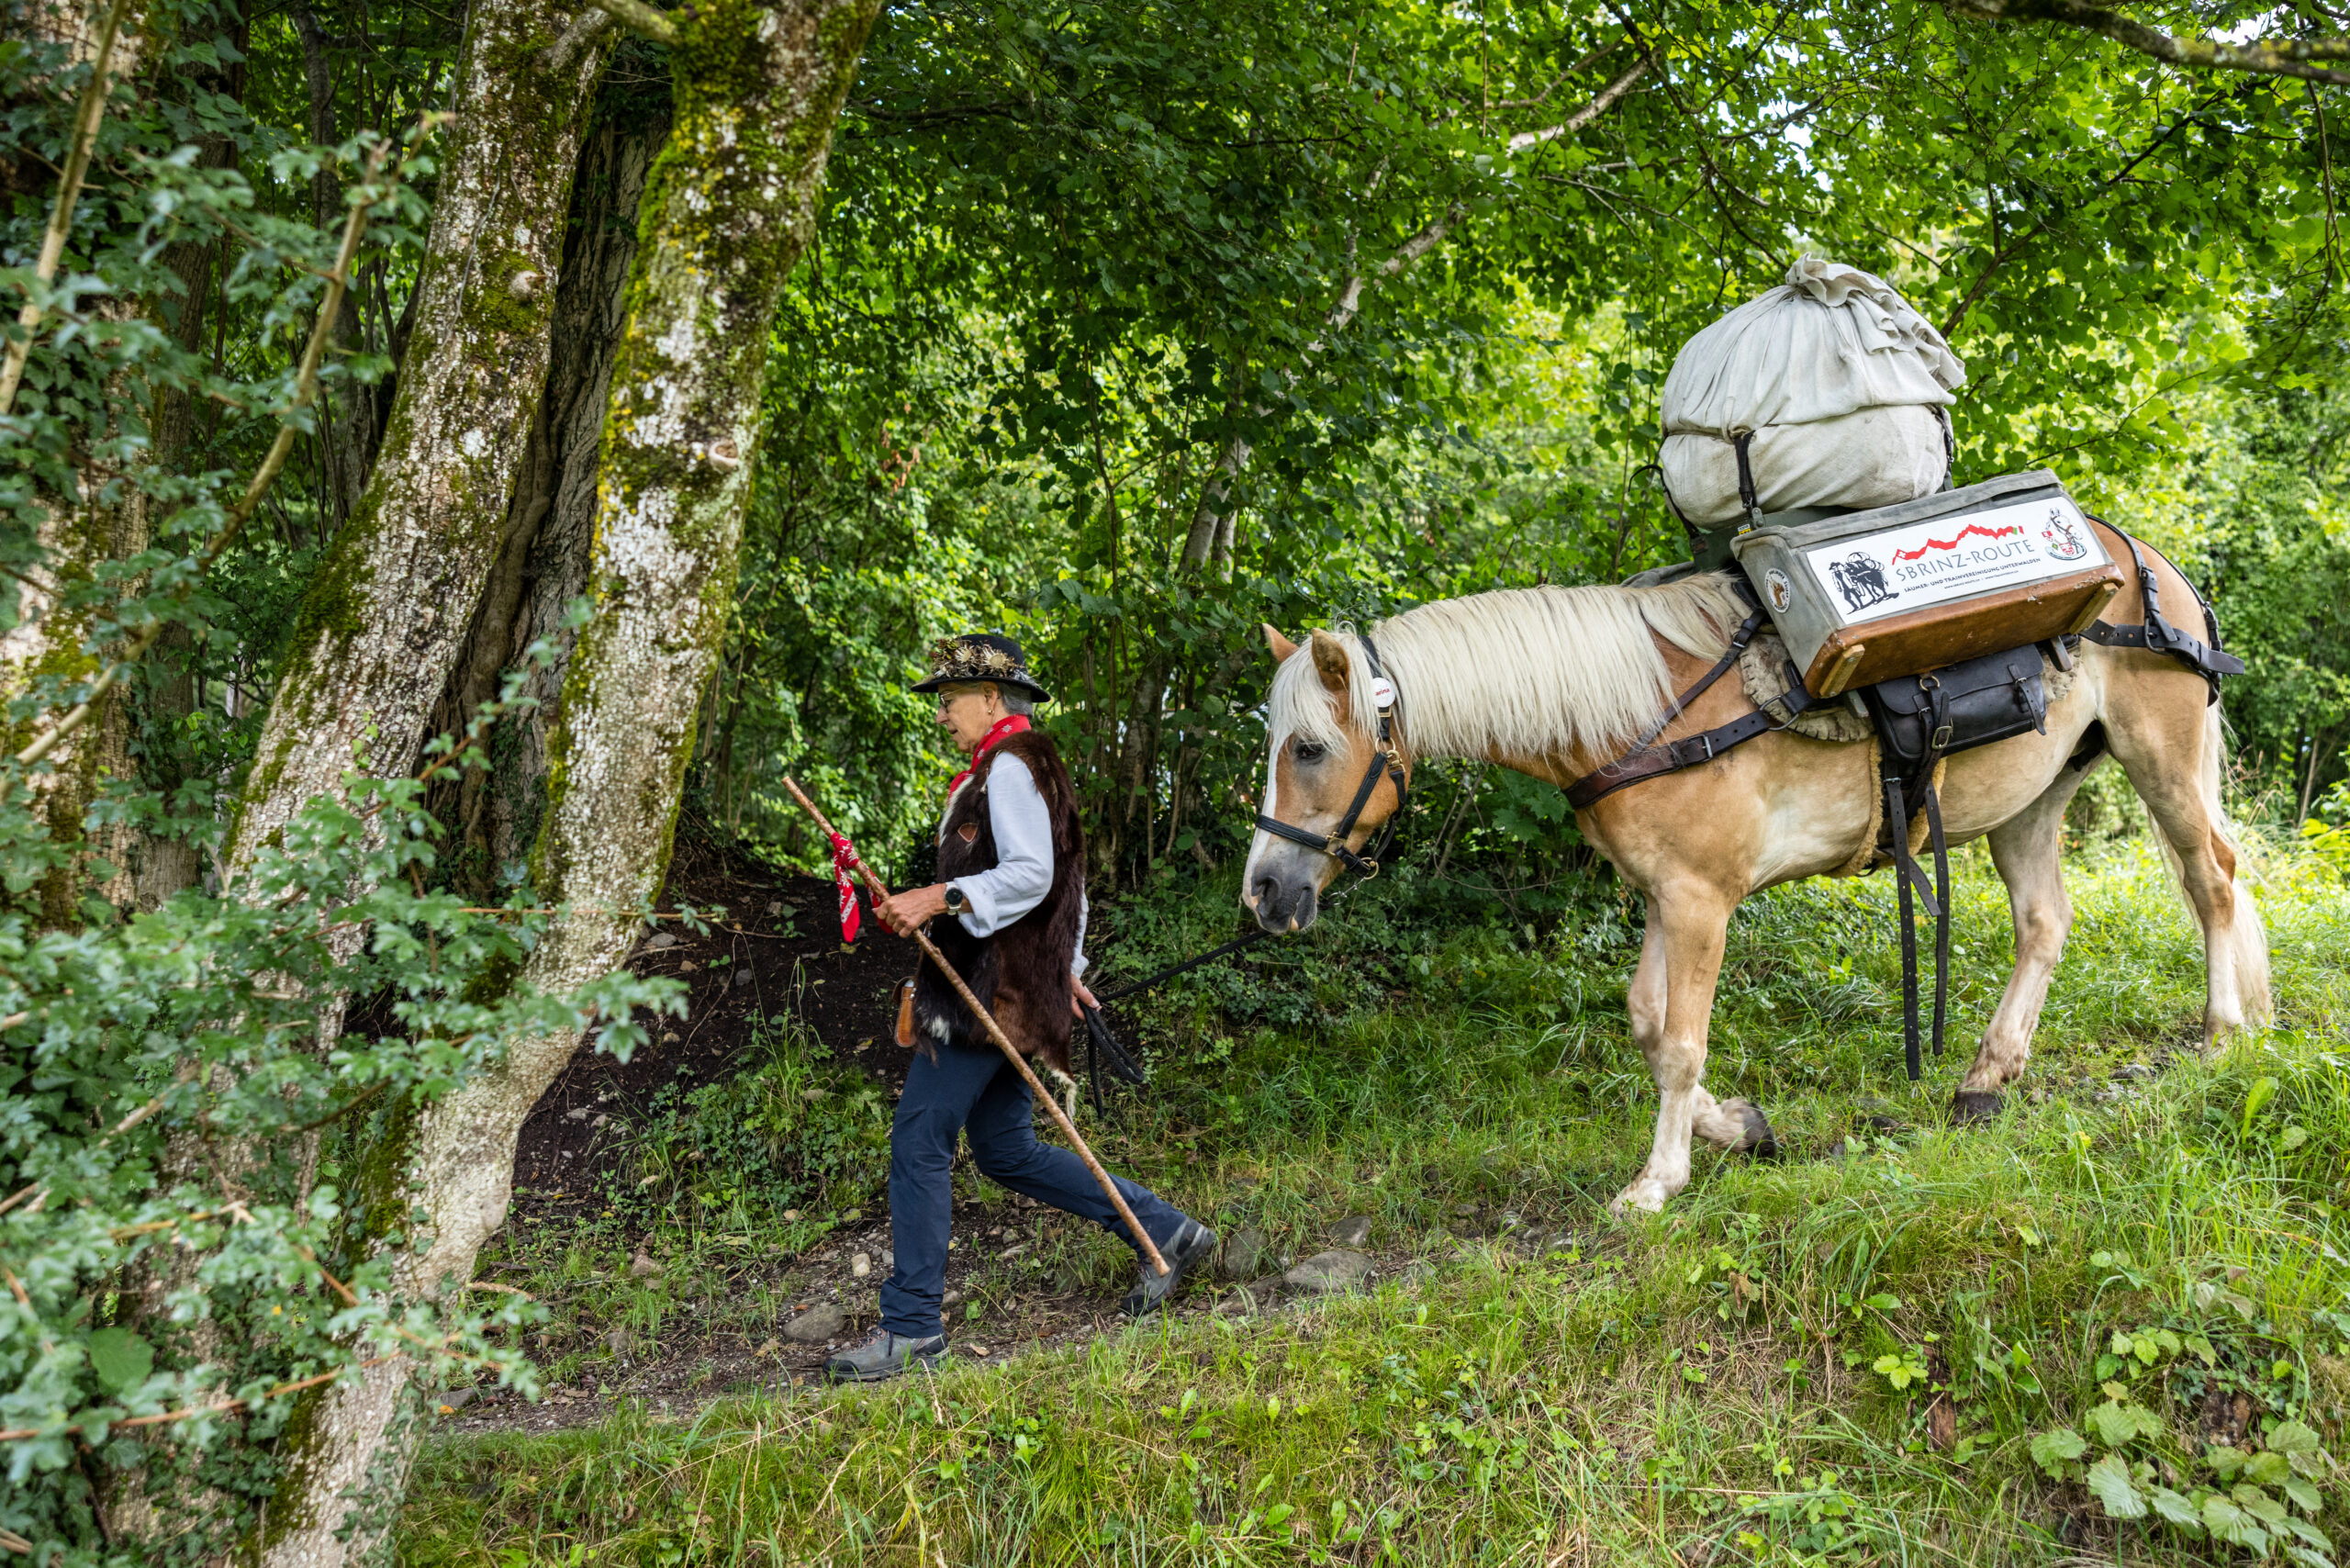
(131, 1045)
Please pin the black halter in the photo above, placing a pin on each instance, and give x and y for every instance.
(1385, 759)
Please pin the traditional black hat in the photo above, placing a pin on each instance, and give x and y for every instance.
(954, 660)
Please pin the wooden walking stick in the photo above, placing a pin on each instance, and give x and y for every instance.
(879, 892)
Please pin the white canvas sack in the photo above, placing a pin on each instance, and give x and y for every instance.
(1839, 379)
(1875, 457)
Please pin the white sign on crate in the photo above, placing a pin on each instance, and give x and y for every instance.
(1876, 574)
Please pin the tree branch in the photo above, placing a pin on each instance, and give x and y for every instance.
(69, 191)
(2003, 254)
(2284, 57)
(305, 384)
(638, 16)
(1584, 116)
(1210, 515)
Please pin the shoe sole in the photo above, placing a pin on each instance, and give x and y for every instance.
(917, 1363)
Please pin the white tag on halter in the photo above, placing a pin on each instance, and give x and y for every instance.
(1382, 692)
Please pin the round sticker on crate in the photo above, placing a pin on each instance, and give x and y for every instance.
(1382, 692)
(1776, 589)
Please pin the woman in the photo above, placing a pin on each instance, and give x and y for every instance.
(1011, 864)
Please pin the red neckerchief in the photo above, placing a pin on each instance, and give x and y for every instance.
(1010, 724)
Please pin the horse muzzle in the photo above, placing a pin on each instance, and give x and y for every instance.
(1284, 899)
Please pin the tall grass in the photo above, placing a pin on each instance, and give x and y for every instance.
(1896, 1345)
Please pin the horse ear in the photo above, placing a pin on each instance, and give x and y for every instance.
(1281, 646)
(1330, 661)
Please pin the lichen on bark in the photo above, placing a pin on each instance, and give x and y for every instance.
(379, 627)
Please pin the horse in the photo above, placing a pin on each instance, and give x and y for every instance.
(1555, 682)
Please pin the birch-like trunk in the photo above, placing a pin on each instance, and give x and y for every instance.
(495, 814)
(728, 209)
(379, 627)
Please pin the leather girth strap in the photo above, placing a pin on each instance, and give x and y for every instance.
(1910, 879)
(1648, 760)
(2158, 636)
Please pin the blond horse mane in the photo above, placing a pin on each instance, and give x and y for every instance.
(1523, 671)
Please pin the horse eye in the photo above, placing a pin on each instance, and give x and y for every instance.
(1310, 751)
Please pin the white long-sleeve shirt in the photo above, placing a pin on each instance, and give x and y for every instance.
(1022, 873)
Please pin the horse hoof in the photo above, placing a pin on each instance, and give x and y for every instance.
(1757, 1139)
(1969, 1106)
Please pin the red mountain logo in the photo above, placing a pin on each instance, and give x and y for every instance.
(1969, 531)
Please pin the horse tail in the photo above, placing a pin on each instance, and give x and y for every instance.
(2247, 938)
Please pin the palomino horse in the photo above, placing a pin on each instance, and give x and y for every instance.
(1555, 682)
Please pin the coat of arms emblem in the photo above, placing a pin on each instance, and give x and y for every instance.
(2064, 540)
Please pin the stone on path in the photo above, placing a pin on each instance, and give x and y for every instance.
(1351, 1231)
(1242, 1255)
(1330, 1272)
(817, 1325)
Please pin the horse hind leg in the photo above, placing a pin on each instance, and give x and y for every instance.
(2176, 768)
(2028, 850)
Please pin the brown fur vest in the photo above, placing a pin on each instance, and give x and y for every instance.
(1020, 973)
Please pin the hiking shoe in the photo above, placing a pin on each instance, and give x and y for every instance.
(1195, 1243)
(885, 1356)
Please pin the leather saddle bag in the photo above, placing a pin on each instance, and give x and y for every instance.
(1922, 719)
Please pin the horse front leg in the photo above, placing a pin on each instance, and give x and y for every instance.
(1671, 1001)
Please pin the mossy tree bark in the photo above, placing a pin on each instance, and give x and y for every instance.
(378, 629)
(729, 207)
(493, 814)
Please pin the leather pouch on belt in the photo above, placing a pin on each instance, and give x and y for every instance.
(906, 1012)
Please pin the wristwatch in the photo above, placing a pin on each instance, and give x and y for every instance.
(956, 902)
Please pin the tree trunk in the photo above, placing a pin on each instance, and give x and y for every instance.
(347, 434)
(51, 638)
(728, 209)
(378, 629)
(497, 812)
(151, 868)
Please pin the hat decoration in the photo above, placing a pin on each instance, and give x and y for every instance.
(958, 660)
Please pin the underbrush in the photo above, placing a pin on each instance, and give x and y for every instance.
(793, 1129)
(2114, 1324)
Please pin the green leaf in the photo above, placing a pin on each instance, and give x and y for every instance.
(2115, 1423)
(2178, 1510)
(2269, 1469)
(2307, 1497)
(2050, 1450)
(2258, 1504)
(2232, 1525)
(2314, 1537)
(121, 1359)
(2291, 1437)
(2263, 1089)
(2110, 1479)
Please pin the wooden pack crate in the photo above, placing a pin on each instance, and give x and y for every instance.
(1873, 595)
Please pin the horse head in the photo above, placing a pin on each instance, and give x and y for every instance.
(1322, 719)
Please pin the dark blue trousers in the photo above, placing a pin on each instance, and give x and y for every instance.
(978, 1091)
